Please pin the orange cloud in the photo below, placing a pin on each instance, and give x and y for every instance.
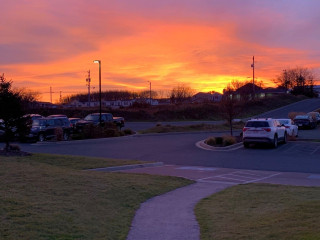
(204, 44)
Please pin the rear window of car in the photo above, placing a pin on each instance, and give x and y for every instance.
(302, 117)
(284, 121)
(257, 124)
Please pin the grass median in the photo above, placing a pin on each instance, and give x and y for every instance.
(261, 211)
(159, 128)
(51, 197)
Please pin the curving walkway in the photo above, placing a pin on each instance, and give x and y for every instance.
(170, 216)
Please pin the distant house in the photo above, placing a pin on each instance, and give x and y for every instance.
(45, 105)
(316, 89)
(247, 90)
(202, 97)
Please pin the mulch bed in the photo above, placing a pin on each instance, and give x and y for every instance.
(12, 153)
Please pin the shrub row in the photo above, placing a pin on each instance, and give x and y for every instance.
(221, 141)
(91, 131)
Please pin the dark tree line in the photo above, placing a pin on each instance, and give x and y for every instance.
(299, 81)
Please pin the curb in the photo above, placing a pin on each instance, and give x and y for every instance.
(205, 146)
(126, 167)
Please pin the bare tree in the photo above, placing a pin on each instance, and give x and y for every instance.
(146, 94)
(181, 93)
(229, 107)
(299, 80)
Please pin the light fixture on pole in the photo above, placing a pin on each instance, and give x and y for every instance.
(252, 65)
(99, 61)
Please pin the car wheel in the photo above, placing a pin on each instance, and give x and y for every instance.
(275, 141)
(285, 139)
(246, 145)
(41, 137)
(65, 136)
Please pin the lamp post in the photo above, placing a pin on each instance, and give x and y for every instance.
(99, 61)
(150, 93)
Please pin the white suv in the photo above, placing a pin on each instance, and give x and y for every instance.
(264, 130)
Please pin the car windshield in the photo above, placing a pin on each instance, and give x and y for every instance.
(302, 117)
(92, 118)
(257, 124)
(284, 121)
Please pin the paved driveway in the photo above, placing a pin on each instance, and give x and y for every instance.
(180, 149)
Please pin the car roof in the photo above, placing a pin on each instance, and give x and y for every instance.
(56, 115)
(261, 119)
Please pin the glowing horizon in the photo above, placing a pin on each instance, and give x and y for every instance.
(203, 44)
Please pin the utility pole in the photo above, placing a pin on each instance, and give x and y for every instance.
(252, 65)
(88, 80)
(51, 94)
(150, 93)
(60, 96)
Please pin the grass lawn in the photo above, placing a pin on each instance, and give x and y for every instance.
(261, 211)
(51, 197)
(191, 128)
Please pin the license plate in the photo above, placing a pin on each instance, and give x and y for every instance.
(299, 125)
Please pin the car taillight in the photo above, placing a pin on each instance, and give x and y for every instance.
(286, 126)
(267, 129)
(244, 129)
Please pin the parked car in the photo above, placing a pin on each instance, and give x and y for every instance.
(57, 115)
(305, 121)
(1, 130)
(33, 116)
(45, 128)
(315, 115)
(73, 122)
(291, 128)
(94, 118)
(264, 130)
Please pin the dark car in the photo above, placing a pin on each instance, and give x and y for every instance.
(73, 122)
(33, 116)
(94, 118)
(305, 121)
(46, 128)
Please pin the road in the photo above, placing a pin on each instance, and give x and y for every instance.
(180, 149)
(307, 105)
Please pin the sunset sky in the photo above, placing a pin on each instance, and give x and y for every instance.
(202, 43)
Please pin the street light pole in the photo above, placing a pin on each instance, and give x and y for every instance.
(150, 92)
(252, 65)
(99, 61)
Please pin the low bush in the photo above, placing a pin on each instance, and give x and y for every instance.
(107, 130)
(228, 140)
(219, 140)
(211, 141)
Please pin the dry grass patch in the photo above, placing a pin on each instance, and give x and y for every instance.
(43, 197)
(159, 128)
(261, 211)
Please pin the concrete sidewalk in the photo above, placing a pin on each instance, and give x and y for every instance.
(171, 216)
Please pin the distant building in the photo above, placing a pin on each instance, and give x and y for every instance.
(316, 89)
(44, 105)
(202, 97)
